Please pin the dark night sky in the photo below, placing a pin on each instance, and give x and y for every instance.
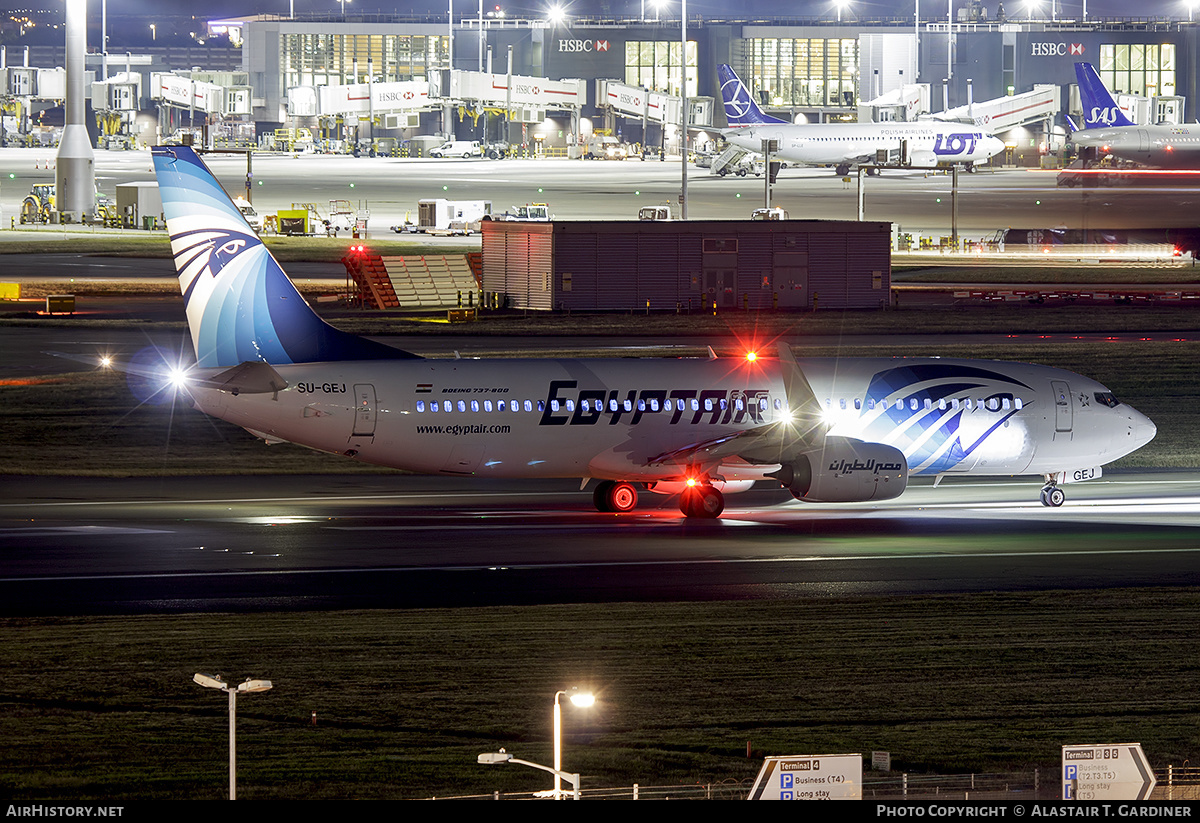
(861, 9)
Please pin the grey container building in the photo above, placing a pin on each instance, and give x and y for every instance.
(732, 264)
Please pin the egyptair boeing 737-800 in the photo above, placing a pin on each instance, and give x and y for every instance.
(921, 145)
(829, 430)
(1109, 131)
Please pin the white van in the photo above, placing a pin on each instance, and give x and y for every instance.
(458, 148)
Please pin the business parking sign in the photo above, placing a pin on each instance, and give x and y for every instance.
(809, 777)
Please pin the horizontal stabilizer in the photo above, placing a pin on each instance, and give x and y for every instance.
(252, 377)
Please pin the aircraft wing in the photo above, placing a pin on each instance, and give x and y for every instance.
(778, 442)
(858, 158)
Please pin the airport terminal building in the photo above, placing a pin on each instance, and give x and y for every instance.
(816, 70)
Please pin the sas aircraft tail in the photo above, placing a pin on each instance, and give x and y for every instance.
(1099, 107)
(241, 306)
(740, 108)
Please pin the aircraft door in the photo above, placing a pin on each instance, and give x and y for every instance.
(1143, 140)
(364, 410)
(1062, 406)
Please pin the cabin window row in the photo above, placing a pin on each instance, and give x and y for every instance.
(927, 404)
(652, 404)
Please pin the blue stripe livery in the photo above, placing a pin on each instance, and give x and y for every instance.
(240, 304)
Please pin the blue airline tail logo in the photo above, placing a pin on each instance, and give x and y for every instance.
(740, 108)
(240, 304)
(1099, 107)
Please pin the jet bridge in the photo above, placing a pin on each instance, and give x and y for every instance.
(1004, 113)
(636, 103)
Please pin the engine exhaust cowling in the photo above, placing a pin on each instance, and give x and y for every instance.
(845, 470)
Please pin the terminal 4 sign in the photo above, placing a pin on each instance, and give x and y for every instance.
(809, 777)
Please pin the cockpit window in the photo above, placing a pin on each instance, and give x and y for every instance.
(1105, 398)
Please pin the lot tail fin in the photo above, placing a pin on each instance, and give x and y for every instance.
(740, 108)
(1099, 107)
(240, 304)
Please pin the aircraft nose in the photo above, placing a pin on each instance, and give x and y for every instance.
(1142, 428)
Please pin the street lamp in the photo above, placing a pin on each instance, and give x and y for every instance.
(839, 4)
(556, 14)
(249, 687)
(580, 699)
(492, 758)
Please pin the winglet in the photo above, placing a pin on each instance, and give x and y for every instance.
(802, 401)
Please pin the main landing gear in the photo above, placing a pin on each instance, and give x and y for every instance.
(701, 501)
(1052, 495)
(615, 496)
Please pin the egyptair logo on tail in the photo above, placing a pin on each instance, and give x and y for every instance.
(208, 251)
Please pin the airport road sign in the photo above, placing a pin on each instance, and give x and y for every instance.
(1113, 771)
(809, 777)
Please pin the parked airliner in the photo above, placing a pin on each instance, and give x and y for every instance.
(921, 145)
(829, 430)
(1109, 131)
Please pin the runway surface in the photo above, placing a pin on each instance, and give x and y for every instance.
(247, 544)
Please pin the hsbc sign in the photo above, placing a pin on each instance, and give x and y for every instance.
(1056, 49)
(582, 45)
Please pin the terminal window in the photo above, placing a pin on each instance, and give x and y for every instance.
(808, 71)
(1147, 70)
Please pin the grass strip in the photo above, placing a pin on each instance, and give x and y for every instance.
(101, 709)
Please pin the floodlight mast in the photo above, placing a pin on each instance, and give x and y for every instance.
(250, 686)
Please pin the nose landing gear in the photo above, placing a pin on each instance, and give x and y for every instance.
(1052, 496)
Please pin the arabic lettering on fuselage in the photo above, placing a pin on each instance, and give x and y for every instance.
(847, 467)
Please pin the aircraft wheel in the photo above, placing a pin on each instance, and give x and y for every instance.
(842, 170)
(701, 502)
(613, 496)
(600, 495)
(1053, 496)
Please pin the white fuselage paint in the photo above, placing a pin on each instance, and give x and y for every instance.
(1168, 147)
(835, 144)
(379, 412)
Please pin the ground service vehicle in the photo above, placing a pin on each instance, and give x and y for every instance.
(458, 148)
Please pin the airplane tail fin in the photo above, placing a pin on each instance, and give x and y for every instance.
(241, 306)
(1099, 107)
(740, 108)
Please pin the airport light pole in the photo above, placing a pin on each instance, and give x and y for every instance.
(577, 698)
(683, 107)
(249, 687)
(492, 758)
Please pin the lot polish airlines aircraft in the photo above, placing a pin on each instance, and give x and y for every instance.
(930, 144)
(1109, 130)
(829, 430)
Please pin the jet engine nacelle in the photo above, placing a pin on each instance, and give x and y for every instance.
(923, 160)
(845, 471)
